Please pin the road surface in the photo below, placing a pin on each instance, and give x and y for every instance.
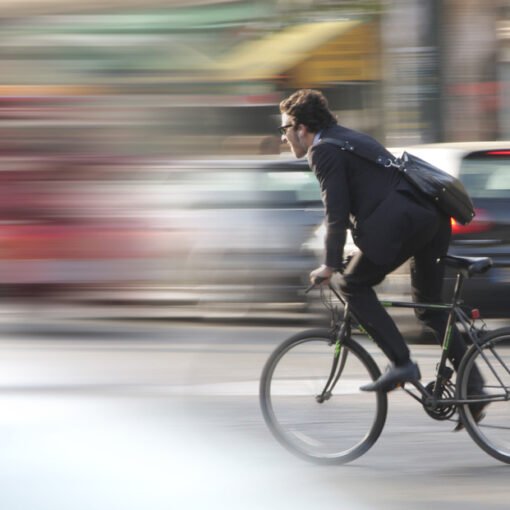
(161, 415)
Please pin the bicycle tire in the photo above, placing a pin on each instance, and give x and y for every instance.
(492, 433)
(333, 432)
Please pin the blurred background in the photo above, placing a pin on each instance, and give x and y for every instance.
(142, 181)
(140, 164)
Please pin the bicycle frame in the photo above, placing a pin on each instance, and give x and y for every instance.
(329, 366)
(443, 372)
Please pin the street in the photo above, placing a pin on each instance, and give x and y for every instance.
(159, 415)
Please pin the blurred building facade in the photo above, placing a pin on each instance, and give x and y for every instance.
(444, 63)
(153, 77)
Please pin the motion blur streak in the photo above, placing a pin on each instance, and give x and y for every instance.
(141, 177)
(104, 104)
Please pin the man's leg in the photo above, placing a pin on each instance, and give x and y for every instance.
(427, 281)
(356, 287)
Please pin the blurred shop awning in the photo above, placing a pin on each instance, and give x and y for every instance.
(45, 7)
(308, 54)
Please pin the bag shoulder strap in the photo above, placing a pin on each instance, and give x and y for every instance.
(369, 155)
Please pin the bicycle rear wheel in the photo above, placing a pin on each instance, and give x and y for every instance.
(492, 433)
(341, 428)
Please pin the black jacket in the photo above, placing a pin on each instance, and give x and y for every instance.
(376, 203)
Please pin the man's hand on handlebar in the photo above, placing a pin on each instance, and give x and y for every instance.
(322, 274)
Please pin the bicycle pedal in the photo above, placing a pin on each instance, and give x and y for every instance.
(396, 386)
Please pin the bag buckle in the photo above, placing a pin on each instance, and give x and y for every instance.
(390, 163)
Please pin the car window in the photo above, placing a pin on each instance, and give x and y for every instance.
(241, 188)
(299, 186)
(486, 177)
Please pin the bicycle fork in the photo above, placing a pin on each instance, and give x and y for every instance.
(339, 358)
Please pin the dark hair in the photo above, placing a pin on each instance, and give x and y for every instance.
(309, 107)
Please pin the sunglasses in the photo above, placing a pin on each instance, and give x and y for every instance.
(283, 129)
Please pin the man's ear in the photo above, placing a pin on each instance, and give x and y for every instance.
(304, 135)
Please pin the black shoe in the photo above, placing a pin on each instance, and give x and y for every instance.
(477, 410)
(394, 377)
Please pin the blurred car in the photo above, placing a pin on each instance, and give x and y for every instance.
(264, 222)
(484, 168)
(197, 232)
(244, 226)
(235, 232)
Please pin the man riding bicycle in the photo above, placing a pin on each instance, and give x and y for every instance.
(390, 223)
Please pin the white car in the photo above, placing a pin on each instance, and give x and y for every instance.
(484, 168)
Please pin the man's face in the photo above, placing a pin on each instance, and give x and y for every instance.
(293, 136)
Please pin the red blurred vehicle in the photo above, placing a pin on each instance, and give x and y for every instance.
(227, 231)
(69, 221)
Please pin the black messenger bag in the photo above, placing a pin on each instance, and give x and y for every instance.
(445, 190)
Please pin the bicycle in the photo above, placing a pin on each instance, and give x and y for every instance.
(309, 388)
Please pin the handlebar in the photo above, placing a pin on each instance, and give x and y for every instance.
(319, 279)
(316, 282)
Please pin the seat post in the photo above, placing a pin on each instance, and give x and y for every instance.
(458, 287)
(448, 332)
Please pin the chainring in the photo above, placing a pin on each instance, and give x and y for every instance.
(441, 412)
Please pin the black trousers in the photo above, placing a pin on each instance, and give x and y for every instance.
(427, 280)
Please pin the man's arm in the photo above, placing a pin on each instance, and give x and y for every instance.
(329, 165)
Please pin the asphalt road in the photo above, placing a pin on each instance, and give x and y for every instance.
(158, 415)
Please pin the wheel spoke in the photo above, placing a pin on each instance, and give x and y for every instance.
(488, 421)
(337, 429)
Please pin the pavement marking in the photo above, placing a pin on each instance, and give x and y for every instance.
(288, 387)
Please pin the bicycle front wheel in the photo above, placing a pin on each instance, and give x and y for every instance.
(341, 428)
(492, 357)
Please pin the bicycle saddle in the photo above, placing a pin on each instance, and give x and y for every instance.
(473, 265)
